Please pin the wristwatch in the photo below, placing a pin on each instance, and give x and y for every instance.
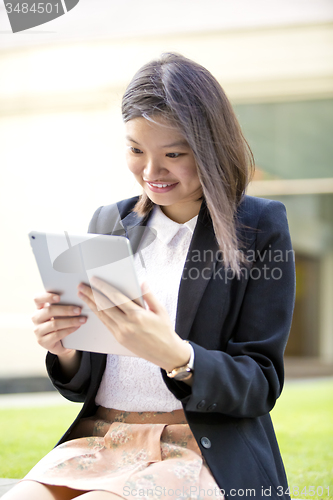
(183, 372)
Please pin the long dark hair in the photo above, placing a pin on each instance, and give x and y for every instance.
(186, 94)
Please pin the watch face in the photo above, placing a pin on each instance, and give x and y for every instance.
(184, 375)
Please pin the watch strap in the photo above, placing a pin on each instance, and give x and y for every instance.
(181, 372)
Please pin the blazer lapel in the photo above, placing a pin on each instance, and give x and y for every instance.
(135, 228)
(199, 267)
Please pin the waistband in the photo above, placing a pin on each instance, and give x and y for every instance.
(137, 417)
(98, 424)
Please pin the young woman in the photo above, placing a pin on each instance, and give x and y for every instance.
(189, 416)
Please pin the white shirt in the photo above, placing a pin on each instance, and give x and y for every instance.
(131, 383)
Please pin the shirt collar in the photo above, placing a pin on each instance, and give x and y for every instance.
(167, 228)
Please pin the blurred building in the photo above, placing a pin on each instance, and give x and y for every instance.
(61, 152)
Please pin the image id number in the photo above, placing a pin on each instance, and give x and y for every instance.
(36, 8)
(306, 491)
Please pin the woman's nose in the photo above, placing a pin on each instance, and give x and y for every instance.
(153, 170)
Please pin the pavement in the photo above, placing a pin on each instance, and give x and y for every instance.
(32, 400)
(6, 485)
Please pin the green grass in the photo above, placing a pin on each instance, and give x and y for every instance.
(303, 420)
(27, 434)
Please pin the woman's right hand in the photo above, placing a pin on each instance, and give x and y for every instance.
(53, 322)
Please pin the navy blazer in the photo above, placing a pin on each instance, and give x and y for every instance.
(238, 329)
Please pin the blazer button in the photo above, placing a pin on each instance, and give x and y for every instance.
(201, 404)
(205, 442)
(212, 407)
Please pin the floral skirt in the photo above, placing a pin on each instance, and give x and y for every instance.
(145, 455)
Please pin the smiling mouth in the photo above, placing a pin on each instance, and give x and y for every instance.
(160, 185)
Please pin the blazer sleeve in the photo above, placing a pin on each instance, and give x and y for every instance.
(246, 378)
(76, 388)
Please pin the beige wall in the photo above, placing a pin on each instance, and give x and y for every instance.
(253, 64)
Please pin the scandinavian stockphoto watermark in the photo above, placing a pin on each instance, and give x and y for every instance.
(267, 264)
(195, 493)
(28, 14)
(155, 492)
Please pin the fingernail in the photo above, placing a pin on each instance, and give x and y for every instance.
(55, 298)
(82, 320)
(77, 310)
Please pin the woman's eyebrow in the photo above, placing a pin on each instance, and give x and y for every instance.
(129, 138)
(182, 142)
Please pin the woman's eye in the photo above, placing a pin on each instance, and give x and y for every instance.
(173, 155)
(135, 150)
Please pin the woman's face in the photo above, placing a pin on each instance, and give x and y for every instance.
(158, 155)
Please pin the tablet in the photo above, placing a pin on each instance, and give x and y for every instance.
(65, 260)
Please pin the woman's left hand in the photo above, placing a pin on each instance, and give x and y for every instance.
(148, 333)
